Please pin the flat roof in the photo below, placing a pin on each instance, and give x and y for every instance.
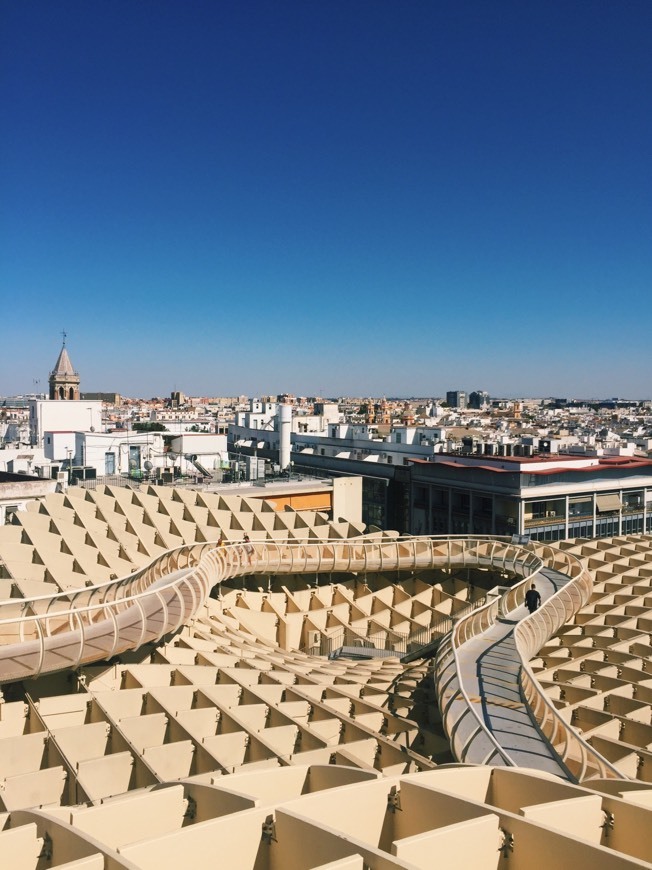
(556, 464)
(17, 477)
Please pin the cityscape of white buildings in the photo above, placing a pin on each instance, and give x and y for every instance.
(549, 468)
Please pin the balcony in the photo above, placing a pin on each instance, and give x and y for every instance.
(551, 520)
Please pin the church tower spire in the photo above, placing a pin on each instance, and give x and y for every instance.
(64, 380)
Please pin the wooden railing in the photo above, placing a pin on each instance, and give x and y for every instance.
(42, 634)
(583, 761)
(471, 739)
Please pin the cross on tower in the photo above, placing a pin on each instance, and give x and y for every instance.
(65, 334)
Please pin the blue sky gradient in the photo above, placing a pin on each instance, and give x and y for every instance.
(342, 198)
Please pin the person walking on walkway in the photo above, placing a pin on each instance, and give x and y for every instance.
(532, 599)
(248, 548)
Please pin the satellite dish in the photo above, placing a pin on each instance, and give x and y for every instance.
(148, 466)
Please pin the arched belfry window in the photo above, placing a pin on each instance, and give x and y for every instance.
(71, 393)
(61, 393)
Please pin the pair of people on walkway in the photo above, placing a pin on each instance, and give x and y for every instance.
(246, 546)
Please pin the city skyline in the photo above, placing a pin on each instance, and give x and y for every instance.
(352, 199)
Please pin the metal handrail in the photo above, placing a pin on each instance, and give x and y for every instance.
(115, 609)
(309, 542)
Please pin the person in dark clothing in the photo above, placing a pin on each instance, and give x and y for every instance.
(532, 599)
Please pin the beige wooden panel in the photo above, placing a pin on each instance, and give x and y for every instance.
(580, 816)
(20, 847)
(134, 818)
(171, 760)
(145, 731)
(22, 754)
(58, 711)
(40, 788)
(237, 837)
(473, 843)
(106, 776)
(83, 742)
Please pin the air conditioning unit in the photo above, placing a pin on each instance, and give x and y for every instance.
(62, 476)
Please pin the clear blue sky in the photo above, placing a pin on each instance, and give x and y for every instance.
(343, 197)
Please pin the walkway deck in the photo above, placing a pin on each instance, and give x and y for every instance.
(490, 668)
(132, 627)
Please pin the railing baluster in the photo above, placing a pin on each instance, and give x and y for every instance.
(41, 641)
(82, 640)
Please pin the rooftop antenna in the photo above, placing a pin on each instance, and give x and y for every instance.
(65, 335)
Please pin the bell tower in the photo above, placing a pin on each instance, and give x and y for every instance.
(64, 380)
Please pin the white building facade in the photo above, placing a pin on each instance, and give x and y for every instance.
(48, 415)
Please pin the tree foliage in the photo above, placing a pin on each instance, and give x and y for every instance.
(149, 427)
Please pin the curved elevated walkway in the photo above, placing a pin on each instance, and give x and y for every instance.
(490, 668)
(141, 621)
(65, 630)
(493, 709)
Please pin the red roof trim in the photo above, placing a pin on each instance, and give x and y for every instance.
(616, 463)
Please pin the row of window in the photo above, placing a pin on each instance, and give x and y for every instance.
(604, 528)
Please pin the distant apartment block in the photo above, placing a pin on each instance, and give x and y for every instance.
(478, 400)
(456, 399)
(548, 498)
(456, 479)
